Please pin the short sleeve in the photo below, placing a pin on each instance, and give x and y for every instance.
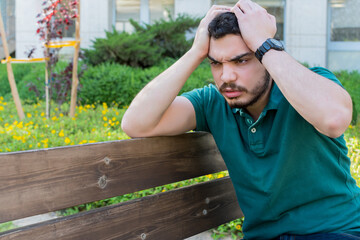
(327, 74)
(197, 97)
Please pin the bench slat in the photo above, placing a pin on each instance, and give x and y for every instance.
(176, 214)
(42, 181)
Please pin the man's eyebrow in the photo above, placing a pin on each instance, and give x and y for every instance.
(212, 59)
(234, 59)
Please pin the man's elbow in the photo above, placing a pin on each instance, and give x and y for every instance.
(338, 123)
(129, 128)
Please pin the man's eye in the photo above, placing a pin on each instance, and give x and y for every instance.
(214, 63)
(241, 61)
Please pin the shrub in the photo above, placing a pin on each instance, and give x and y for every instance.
(136, 50)
(351, 82)
(146, 46)
(110, 82)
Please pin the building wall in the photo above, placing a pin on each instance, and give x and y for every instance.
(306, 30)
(196, 8)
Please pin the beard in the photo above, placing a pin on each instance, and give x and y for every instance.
(256, 93)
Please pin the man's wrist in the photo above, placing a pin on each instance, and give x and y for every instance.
(269, 44)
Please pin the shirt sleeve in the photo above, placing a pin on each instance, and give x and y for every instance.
(327, 74)
(197, 98)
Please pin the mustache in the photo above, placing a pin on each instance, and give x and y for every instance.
(232, 86)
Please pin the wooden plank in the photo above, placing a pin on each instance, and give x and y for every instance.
(36, 182)
(176, 214)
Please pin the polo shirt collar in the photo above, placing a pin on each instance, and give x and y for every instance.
(273, 104)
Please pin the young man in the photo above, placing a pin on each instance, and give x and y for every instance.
(277, 124)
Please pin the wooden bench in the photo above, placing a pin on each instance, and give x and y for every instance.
(42, 181)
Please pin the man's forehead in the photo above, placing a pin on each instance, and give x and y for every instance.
(228, 47)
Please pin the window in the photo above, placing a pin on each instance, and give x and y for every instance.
(274, 7)
(344, 35)
(126, 10)
(143, 11)
(8, 13)
(161, 9)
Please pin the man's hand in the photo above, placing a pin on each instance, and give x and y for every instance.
(202, 39)
(255, 23)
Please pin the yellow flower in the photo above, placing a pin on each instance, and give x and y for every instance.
(117, 122)
(1, 108)
(67, 140)
(61, 133)
(61, 115)
(30, 146)
(238, 227)
(109, 134)
(114, 119)
(105, 119)
(54, 118)
(104, 112)
(28, 115)
(93, 130)
(92, 141)
(221, 175)
(117, 113)
(42, 114)
(105, 124)
(38, 144)
(53, 131)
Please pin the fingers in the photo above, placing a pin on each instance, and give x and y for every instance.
(247, 6)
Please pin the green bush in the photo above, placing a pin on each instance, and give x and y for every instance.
(146, 46)
(351, 82)
(110, 82)
(20, 71)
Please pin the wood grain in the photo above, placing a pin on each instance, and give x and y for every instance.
(176, 214)
(41, 181)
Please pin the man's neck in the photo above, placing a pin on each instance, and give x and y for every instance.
(256, 109)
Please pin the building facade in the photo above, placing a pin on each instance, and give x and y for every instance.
(317, 32)
(7, 8)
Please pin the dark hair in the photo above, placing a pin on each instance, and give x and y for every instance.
(223, 24)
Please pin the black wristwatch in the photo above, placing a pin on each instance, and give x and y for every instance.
(270, 43)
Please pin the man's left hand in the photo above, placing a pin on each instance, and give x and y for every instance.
(255, 23)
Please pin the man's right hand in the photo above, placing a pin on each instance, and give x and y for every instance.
(202, 39)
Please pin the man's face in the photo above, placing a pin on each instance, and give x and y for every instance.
(238, 75)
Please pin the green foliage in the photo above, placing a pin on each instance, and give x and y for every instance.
(6, 226)
(170, 35)
(146, 46)
(110, 82)
(233, 229)
(351, 82)
(136, 50)
(20, 71)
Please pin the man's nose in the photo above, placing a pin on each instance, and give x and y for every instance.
(228, 73)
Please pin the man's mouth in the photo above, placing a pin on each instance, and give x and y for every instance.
(232, 93)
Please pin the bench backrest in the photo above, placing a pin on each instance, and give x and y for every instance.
(42, 181)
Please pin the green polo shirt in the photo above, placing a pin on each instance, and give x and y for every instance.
(288, 177)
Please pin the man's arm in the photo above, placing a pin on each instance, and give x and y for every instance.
(157, 110)
(323, 103)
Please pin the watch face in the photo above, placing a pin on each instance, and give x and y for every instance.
(276, 43)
